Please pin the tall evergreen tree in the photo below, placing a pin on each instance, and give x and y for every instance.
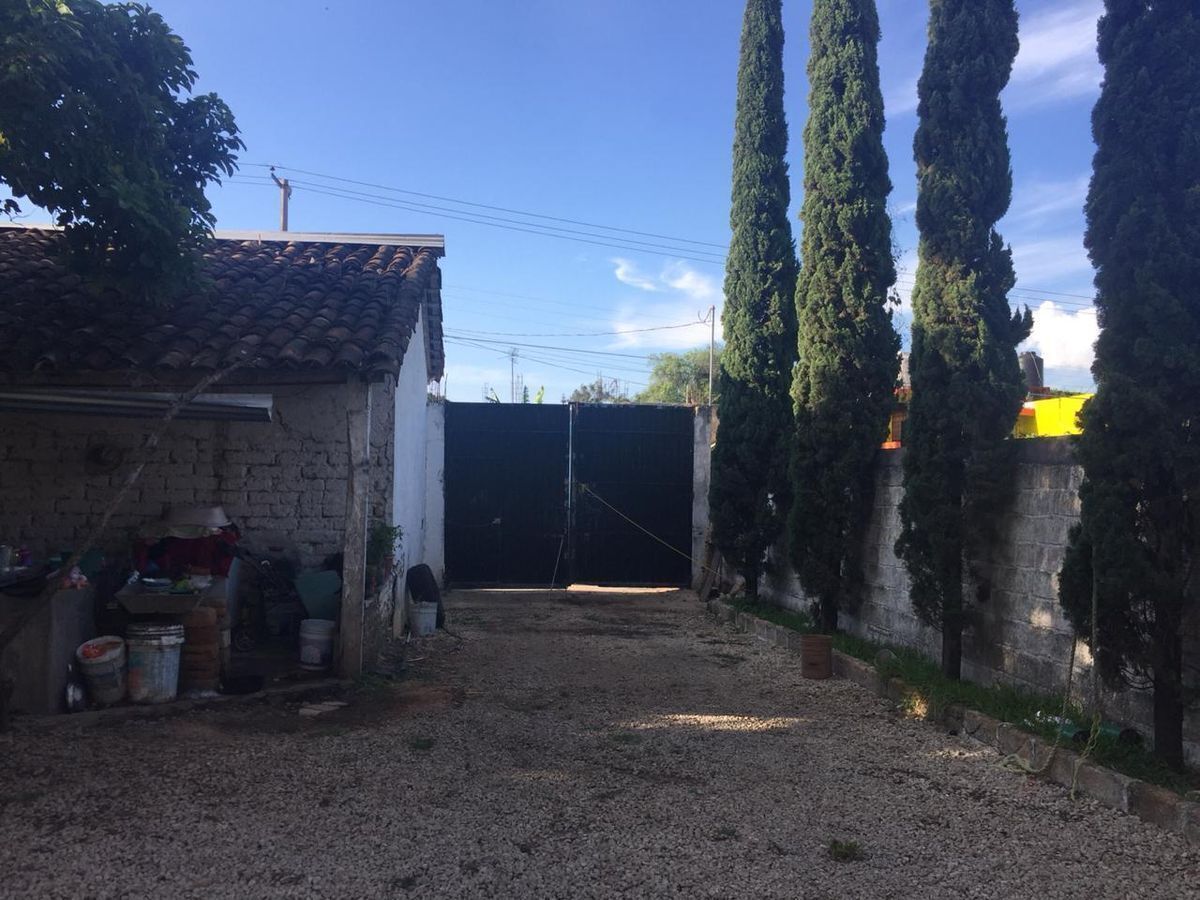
(845, 381)
(1136, 551)
(748, 491)
(966, 382)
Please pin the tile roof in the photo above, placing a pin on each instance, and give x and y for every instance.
(288, 304)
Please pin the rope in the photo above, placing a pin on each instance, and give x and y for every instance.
(645, 531)
(1015, 763)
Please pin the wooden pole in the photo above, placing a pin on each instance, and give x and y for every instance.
(712, 348)
(354, 548)
(285, 194)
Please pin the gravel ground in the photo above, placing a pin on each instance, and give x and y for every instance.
(570, 745)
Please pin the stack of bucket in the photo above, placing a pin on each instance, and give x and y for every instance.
(200, 665)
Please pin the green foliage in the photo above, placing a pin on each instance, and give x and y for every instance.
(1137, 543)
(966, 383)
(93, 129)
(382, 541)
(680, 378)
(748, 493)
(845, 851)
(848, 351)
(602, 390)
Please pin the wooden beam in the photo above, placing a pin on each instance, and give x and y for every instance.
(354, 547)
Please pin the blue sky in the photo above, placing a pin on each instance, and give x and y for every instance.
(615, 112)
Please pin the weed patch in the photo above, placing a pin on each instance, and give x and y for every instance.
(845, 851)
(930, 693)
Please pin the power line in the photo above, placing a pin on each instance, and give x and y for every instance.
(583, 333)
(518, 212)
(565, 234)
(398, 204)
(549, 347)
(486, 219)
(538, 359)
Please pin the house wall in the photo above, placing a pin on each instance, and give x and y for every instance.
(435, 491)
(408, 506)
(282, 482)
(1020, 636)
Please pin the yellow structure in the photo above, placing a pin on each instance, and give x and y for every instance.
(1052, 417)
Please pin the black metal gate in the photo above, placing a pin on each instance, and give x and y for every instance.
(506, 493)
(544, 496)
(632, 470)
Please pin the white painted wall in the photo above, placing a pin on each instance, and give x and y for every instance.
(435, 491)
(408, 497)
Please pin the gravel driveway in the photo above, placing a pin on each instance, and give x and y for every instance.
(569, 745)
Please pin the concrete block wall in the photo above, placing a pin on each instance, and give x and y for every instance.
(1020, 635)
(282, 482)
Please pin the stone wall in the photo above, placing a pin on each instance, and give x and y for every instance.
(283, 482)
(1020, 636)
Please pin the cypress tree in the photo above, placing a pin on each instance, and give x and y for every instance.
(1135, 551)
(748, 492)
(966, 382)
(848, 351)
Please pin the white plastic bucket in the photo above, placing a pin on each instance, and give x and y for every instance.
(424, 621)
(154, 662)
(104, 674)
(316, 644)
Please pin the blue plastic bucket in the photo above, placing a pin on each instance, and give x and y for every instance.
(153, 662)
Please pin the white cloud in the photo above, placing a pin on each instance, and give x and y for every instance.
(1057, 60)
(627, 273)
(1065, 338)
(1042, 260)
(1035, 201)
(686, 293)
(901, 98)
(679, 276)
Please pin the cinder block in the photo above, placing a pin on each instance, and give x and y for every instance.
(1156, 805)
(1010, 739)
(1191, 821)
(1108, 787)
(982, 728)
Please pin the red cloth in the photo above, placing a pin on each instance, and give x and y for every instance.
(172, 555)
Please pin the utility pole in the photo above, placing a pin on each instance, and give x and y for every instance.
(712, 348)
(285, 193)
(512, 358)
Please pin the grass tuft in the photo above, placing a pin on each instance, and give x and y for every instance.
(845, 851)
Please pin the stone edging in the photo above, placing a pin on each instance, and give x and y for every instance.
(55, 721)
(1148, 802)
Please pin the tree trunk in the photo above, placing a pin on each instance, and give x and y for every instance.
(952, 647)
(752, 587)
(1168, 697)
(828, 612)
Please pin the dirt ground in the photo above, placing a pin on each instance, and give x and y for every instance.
(561, 745)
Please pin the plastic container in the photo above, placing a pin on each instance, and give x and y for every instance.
(154, 662)
(424, 620)
(816, 656)
(316, 644)
(102, 662)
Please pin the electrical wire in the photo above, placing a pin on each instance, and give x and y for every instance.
(505, 209)
(584, 333)
(642, 356)
(628, 245)
(906, 277)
